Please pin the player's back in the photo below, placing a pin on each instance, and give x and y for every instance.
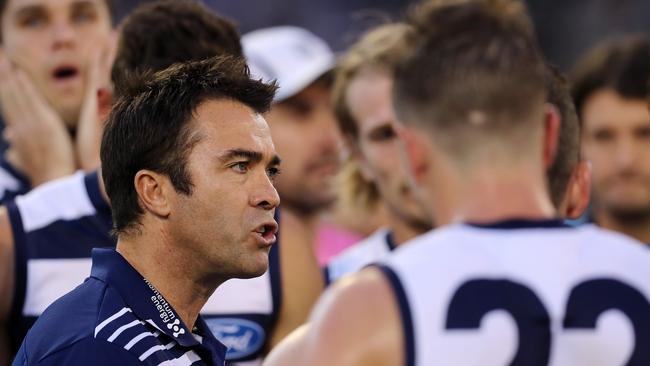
(524, 293)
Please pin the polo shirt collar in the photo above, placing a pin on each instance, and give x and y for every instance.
(146, 302)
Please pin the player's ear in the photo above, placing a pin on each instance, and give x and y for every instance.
(579, 190)
(413, 154)
(153, 191)
(552, 125)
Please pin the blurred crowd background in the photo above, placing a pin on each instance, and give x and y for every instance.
(566, 29)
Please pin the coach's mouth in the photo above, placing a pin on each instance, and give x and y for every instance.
(266, 233)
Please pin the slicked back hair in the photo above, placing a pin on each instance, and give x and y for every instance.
(150, 126)
(475, 73)
(161, 33)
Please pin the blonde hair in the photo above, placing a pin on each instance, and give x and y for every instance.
(381, 49)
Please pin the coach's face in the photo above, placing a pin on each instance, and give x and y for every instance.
(616, 139)
(369, 99)
(227, 221)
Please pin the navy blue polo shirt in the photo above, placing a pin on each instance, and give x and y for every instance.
(116, 317)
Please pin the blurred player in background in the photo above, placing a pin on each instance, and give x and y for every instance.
(304, 132)
(362, 98)
(362, 102)
(610, 87)
(55, 60)
(503, 278)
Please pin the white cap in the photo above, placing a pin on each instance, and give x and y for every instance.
(293, 56)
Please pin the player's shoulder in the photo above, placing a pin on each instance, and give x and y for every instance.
(12, 182)
(371, 249)
(348, 311)
(69, 320)
(87, 350)
(66, 198)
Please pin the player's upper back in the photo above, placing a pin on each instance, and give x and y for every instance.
(530, 293)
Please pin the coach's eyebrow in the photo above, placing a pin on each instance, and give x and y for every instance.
(275, 161)
(253, 156)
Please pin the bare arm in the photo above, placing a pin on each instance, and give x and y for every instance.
(354, 324)
(6, 282)
(302, 280)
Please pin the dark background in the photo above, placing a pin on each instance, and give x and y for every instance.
(566, 28)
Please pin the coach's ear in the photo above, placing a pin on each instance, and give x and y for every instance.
(579, 192)
(552, 125)
(153, 191)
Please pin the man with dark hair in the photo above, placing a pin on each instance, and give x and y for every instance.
(54, 69)
(188, 164)
(502, 280)
(610, 89)
(569, 176)
(52, 229)
(184, 31)
(48, 234)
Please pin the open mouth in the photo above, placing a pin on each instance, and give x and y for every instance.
(65, 73)
(267, 231)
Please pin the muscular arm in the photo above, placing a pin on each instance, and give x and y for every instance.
(6, 282)
(302, 280)
(354, 324)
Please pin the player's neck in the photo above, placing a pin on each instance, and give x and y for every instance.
(402, 230)
(640, 230)
(486, 195)
(167, 269)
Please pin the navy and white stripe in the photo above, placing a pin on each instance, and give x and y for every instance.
(12, 182)
(372, 249)
(56, 226)
(511, 289)
(113, 312)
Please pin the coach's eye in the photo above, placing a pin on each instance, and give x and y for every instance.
(241, 167)
(273, 172)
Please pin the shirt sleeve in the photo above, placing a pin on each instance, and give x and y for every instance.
(89, 351)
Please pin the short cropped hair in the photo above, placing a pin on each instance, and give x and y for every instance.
(475, 73)
(149, 126)
(568, 150)
(621, 64)
(159, 34)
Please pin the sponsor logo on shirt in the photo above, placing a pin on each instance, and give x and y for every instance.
(176, 328)
(164, 309)
(242, 337)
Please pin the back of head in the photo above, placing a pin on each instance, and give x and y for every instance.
(568, 149)
(161, 33)
(149, 125)
(475, 78)
(619, 64)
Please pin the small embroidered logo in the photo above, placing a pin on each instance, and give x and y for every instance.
(175, 327)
